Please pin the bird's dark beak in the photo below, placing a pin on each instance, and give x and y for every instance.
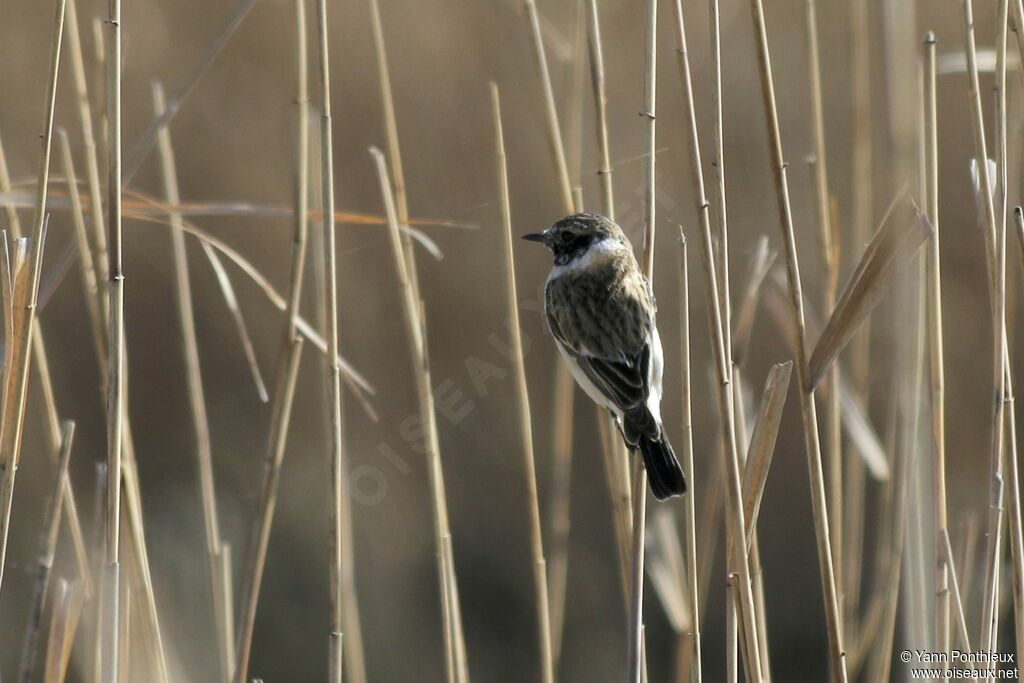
(536, 237)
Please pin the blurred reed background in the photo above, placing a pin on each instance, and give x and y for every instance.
(235, 161)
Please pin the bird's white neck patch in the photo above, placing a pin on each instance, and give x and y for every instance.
(596, 254)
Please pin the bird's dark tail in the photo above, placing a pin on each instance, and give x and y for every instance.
(663, 470)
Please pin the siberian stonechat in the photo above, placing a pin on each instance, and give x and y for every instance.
(600, 309)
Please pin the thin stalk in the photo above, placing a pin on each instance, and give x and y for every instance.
(637, 662)
(936, 371)
(808, 410)
(718, 163)
(47, 550)
(415, 326)
(829, 269)
(291, 350)
(196, 397)
(604, 171)
(19, 348)
(343, 602)
(690, 508)
(523, 407)
(744, 600)
(115, 350)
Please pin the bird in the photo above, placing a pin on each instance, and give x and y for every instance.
(600, 309)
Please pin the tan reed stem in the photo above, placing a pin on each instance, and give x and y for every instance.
(604, 170)
(744, 602)
(523, 406)
(415, 327)
(18, 347)
(690, 509)
(288, 365)
(343, 601)
(812, 444)
(196, 396)
(115, 350)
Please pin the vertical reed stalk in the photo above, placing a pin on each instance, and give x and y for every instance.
(196, 396)
(604, 170)
(810, 420)
(523, 406)
(690, 509)
(343, 601)
(115, 350)
(744, 601)
(936, 371)
(288, 365)
(20, 350)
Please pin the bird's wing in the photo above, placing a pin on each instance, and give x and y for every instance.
(624, 380)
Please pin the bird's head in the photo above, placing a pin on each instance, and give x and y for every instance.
(574, 235)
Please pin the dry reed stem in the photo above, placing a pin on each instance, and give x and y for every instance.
(415, 326)
(344, 610)
(604, 170)
(812, 444)
(92, 167)
(736, 521)
(936, 371)
(961, 618)
(47, 550)
(284, 393)
(762, 444)
(690, 507)
(523, 407)
(115, 350)
(718, 163)
(288, 365)
(636, 598)
(196, 396)
(149, 136)
(18, 347)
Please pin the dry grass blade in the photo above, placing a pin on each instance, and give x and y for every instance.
(149, 136)
(47, 550)
(762, 443)
(236, 314)
(901, 233)
(604, 170)
(523, 407)
(415, 327)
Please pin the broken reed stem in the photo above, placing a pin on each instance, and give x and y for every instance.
(343, 600)
(936, 371)
(415, 327)
(810, 420)
(47, 550)
(744, 602)
(523, 405)
(196, 396)
(690, 508)
(115, 350)
(18, 349)
(829, 269)
(288, 366)
(604, 171)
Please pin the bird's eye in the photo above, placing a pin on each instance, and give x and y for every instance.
(565, 237)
